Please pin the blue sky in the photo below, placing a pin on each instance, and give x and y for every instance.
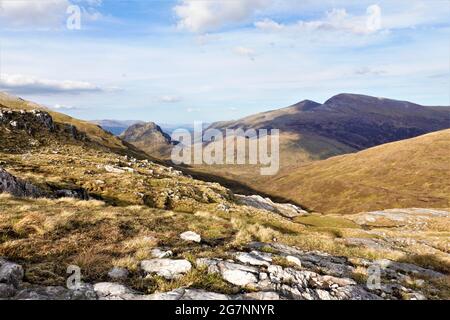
(185, 60)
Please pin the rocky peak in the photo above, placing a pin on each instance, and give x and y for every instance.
(150, 138)
(141, 131)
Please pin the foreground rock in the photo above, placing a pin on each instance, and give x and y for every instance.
(285, 209)
(284, 273)
(118, 273)
(16, 187)
(167, 268)
(191, 236)
(10, 273)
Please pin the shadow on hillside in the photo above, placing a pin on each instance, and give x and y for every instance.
(233, 185)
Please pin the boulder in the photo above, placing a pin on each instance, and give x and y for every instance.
(118, 273)
(10, 273)
(167, 268)
(17, 187)
(7, 291)
(159, 253)
(254, 258)
(191, 236)
(285, 209)
(105, 289)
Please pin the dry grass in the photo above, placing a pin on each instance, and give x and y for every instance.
(369, 180)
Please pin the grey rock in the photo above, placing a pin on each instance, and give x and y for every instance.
(234, 273)
(166, 268)
(239, 277)
(191, 236)
(254, 258)
(294, 260)
(17, 187)
(105, 289)
(407, 268)
(11, 273)
(56, 293)
(158, 253)
(258, 202)
(7, 290)
(117, 273)
(261, 295)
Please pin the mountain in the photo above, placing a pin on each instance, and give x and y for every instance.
(72, 194)
(150, 138)
(116, 127)
(356, 121)
(310, 131)
(409, 173)
(95, 134)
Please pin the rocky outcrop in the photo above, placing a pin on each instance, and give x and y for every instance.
(36, 122)
(30, 121)
(259, 272)
(18, 188)
(150, 138)
(285, 209)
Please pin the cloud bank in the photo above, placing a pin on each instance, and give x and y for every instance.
(203, 16)
(23, 84)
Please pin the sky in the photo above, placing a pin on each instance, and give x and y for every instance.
(179, 61)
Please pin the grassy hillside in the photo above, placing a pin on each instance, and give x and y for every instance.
(137, 205)
(94, 132)
(409, 173)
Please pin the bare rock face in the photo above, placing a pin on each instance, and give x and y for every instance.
(285, 209)
(28, 121)
(17, 187)
(149, 137)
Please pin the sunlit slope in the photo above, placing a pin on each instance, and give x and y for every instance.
(409, 173)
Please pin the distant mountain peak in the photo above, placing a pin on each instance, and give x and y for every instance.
(139, 130)
(306, 105)
(149, 137)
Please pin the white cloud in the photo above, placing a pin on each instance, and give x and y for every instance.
(24, 84)
(268, 25)
(63, 107)
(47, 13)
(245, 52)
(190, 110)
(334, 20)
(44, 13)
(202, 16)
(170, 99)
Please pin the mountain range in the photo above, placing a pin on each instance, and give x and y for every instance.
(72, 194)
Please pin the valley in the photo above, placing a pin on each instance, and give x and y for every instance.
(138, 228)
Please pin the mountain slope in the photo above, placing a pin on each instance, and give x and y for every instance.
(94, 133)
(129, 213)
(150, 138)
(356, 121)
(116, 127)
(309, 131)
(409, 173)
